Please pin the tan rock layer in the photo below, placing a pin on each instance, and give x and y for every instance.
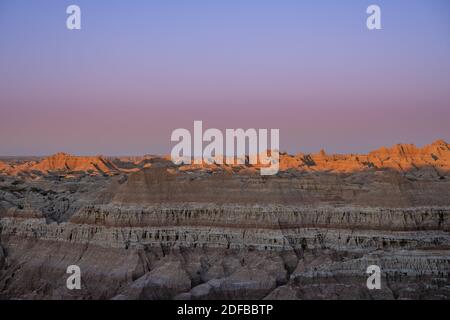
(266, 217)
(243, 228)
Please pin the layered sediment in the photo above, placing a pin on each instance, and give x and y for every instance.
(208, 232)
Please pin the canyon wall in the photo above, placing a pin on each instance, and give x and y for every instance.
(211, 231)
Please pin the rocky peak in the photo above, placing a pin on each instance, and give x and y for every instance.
(3, 166)
(66, 162)
(441, 143)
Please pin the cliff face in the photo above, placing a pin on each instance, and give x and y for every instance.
(62, 162)
(228, 227)
(432, 160)
(365, 188)
(202, 232)
(65, 162)
(204, 251)
(4, 166)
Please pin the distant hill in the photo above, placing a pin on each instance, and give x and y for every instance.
(432, 160)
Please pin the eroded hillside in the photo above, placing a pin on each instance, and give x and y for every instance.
(143, 228)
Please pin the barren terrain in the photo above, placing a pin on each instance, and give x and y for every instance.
(143, 228)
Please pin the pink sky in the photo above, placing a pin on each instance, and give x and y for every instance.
(121, 89)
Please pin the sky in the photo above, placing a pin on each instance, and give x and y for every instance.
(137, 70)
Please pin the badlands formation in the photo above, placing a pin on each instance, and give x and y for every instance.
(143, 228)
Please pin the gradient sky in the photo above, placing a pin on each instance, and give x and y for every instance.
(139, 69)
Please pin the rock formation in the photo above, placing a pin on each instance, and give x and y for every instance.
(225, 232)
(4, 166)
(66, 162)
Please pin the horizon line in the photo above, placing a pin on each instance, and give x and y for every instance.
(436, 141)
